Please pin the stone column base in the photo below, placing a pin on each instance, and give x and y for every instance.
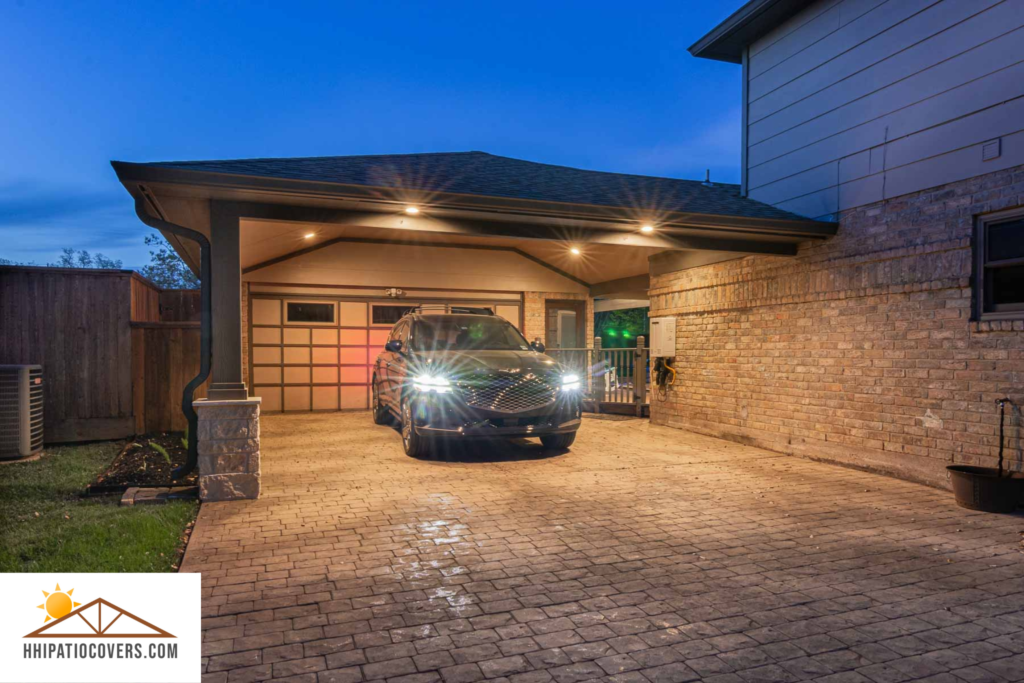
(229, 449)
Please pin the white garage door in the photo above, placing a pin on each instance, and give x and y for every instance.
(316, 353)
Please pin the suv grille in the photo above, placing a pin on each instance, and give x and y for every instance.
(507, 393)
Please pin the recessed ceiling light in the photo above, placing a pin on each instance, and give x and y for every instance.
(411, 210)
(575, 250)
(309, 235)
(647, 229)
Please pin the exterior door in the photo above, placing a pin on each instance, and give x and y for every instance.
(566, 324)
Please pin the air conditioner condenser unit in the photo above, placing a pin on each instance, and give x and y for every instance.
(21, 410)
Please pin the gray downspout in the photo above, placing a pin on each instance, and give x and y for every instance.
(205, 330)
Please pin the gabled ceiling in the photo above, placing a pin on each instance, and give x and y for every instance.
(272, 241)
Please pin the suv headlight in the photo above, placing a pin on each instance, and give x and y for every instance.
(434, 383)
(570, 382)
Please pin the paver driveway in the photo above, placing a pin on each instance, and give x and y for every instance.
(644, 554)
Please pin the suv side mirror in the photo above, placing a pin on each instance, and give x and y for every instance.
(537, 346)
(395, 346)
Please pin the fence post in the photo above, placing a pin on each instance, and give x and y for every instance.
(595, 376)
(640, 375)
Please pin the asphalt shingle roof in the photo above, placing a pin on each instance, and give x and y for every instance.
(479, 173)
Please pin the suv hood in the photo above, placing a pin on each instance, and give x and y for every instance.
(455, 364)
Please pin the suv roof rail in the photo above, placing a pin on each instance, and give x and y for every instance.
(444, 308)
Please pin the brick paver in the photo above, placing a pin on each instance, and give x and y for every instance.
(644, 555)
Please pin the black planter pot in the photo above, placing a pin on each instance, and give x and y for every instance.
(981, 488)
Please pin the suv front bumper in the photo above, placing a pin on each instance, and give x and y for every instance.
(444, 415)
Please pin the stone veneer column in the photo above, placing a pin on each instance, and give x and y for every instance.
(229, 449)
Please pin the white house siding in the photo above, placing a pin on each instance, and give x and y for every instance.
(854, 101)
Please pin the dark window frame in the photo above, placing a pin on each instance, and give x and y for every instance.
(333, 322)
(376, 306)
(984, 307)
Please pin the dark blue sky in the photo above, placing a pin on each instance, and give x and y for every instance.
(604, 85)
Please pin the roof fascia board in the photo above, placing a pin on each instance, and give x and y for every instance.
(726, 41)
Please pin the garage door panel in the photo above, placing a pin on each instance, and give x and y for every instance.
(271, 396)
(352, 314)
(296, 335)
(323, 367)
(353, 337)
(325, 398)
(325, 375)
(509, 313)
(297, 355)
(266, 375)
(354, 375)
(297, 375)
(353, 356)
(325, 337)
(266, 312)
(325, 355)
(266, 355)
(354, 398)
(296, 398)
(266, 335)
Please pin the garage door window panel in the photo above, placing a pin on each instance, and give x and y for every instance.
(389, 314)
(310, 312)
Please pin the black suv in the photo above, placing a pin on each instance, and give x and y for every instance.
(472, 374)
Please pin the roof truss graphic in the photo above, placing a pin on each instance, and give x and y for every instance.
(99, 629)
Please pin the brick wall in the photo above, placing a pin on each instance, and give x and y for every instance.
(859, 350)
(533, 313)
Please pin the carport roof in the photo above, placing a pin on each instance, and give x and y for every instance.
(488, 175)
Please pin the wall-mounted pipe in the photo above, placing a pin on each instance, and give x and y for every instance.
(205, 331)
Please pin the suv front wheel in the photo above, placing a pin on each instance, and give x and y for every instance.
(415, 445)
(558, 442)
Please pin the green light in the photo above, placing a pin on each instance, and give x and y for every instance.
(626, 334)
(611, 333)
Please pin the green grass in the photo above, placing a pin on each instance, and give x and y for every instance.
(46, 527)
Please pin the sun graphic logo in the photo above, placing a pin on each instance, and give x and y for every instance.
(58, 603)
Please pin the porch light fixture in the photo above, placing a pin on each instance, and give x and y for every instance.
(575, 251)
(309, 235)
(412, 210)
(647, 229)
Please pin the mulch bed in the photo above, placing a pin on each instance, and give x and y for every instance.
(139, 464)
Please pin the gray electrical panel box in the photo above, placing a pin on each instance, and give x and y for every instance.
(663, 337)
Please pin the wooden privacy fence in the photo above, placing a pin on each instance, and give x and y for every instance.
(165, 358)
(113, 346)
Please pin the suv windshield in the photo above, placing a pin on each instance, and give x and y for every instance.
(466, 333)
